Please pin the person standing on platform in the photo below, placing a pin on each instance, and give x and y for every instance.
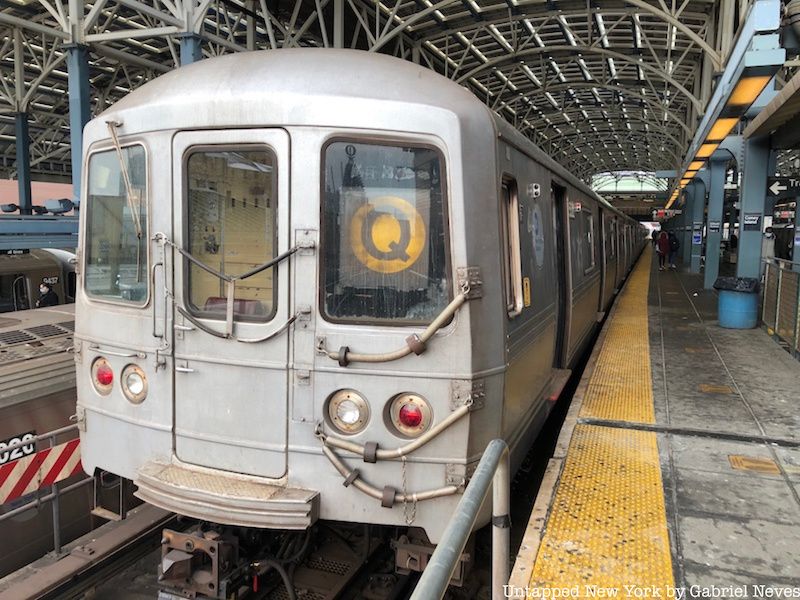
(767, 249)
(674, 244)
(47, 297)
(662, 247)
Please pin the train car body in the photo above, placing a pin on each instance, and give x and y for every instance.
(21, 272)
(281, 224)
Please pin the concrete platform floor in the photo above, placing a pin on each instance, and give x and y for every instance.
(732, 478)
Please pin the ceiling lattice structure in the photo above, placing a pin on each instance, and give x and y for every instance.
(602, 86)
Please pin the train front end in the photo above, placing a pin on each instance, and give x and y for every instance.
(274, 322)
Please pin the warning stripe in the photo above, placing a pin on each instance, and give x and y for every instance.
(46, 467)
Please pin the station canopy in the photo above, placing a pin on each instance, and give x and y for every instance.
(604, 87)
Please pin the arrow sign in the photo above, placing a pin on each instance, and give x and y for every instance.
(776, 188)
(783, 187)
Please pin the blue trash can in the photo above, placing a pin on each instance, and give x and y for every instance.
(738, 302)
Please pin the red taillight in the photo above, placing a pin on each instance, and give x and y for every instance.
(410, 415)
(104, 375)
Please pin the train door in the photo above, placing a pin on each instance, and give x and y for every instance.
(231, 216)
(562, 261)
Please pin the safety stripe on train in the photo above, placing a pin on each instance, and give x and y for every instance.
(39, 470)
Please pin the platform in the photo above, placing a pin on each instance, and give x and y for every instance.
(679, 461)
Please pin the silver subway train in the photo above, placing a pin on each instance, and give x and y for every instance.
(314, 284)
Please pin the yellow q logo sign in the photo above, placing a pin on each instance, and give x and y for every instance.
(387, 234)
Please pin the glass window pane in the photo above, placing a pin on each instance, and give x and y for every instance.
(231, 228)
(116, 246)
(384, 233)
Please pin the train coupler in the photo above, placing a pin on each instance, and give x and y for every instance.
(199, 564)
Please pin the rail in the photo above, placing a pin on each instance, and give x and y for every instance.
(781, 303)
(493, 470)
(54, 497)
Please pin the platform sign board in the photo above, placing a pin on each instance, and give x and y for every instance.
(783, 187)
(713, 226)
(752, 221)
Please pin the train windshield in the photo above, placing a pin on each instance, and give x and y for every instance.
(116, 220)
(384, 232)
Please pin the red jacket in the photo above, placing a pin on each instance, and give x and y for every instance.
(663, 243)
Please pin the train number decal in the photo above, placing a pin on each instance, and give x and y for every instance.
(387, 234)
(19, 451)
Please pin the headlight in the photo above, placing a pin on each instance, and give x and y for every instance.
(102, 376)
(410, 414)
(134, 384)
(348, 411)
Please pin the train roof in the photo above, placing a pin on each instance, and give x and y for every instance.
(256, 89)
(34, 259)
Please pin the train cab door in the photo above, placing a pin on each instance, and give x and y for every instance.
(231, 321)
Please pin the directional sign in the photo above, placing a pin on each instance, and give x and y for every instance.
(783, 187)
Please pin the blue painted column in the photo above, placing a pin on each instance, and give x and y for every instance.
(697, 219)
(191, 51)
(23, 163)
(714, 224)
(686, 226)
(79, 110)
(753, 199)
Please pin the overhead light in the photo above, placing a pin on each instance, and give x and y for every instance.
(748, 89)
(707, 150)
(696, 165)
(721, 129)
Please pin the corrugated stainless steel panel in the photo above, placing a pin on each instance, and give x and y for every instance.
(787, 306)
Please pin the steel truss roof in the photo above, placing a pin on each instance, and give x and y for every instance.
(602, 86)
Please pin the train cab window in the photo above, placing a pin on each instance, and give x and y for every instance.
(116, 220)
(384, 233)
(511, 247)
(231, 208)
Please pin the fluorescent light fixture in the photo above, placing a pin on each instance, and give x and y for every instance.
(721, 129)
(748, 89)
(706, 150)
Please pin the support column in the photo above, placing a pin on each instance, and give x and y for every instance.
(79, 110)
(697, 219)
(751, 214)
(23, 163)
(714, 226)
(686, 226)
(191, 51)
(338, 23)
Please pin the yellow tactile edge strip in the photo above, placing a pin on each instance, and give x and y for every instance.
(620, 385)
(617, 474)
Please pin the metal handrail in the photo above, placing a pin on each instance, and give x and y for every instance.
(493, 470)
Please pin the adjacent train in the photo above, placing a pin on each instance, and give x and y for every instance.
(22, 271)
(314, 284)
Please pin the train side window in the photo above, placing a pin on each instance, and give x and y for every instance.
(511, 247)
(116, 237)
(228, 236)
(589, 240)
